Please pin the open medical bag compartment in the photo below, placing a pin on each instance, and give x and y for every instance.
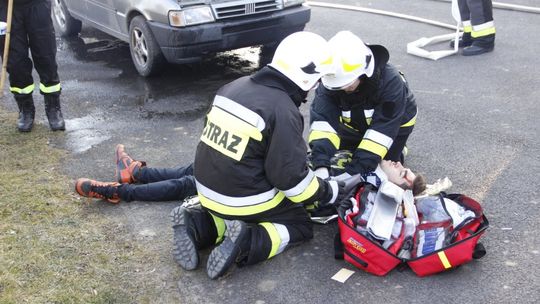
(430, 248)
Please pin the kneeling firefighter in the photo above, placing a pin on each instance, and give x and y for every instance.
(250, 166)
(365, 107)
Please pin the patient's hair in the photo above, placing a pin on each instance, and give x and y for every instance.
(419, 184)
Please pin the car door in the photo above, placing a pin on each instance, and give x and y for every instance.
(103, 13)
(76, 7)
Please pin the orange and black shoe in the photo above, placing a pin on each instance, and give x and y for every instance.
(95, 189)
(127, 168)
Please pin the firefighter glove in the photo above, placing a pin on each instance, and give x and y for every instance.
(336, 192)
(322, 172)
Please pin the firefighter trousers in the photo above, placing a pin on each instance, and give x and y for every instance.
(478, 12)
(31, 29)
(270, 232)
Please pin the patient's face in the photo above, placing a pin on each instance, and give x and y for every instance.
(398, 174)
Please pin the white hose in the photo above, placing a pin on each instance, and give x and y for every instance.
(515, 7)
(415, 47)
(381, 12)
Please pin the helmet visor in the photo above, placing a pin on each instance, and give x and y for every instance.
(338, 88)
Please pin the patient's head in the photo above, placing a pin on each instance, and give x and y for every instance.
(403, 177)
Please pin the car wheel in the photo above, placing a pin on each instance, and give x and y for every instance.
(66, 25)
(145, 51)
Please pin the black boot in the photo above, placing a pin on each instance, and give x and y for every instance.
(464, 41)
(26, 112)
(54, 112)
(232, 250)
(480, 45)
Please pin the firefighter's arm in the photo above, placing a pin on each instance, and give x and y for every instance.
(286, 164)
(383, 129)
(324, 123)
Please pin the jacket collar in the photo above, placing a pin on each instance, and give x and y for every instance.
(381, 58)
(270, 77)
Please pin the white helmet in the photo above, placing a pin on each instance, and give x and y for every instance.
(352, 59)
(303, 57)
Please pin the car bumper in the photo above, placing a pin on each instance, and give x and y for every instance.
(189, 44)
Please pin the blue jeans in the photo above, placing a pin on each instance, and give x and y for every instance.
(160, 184)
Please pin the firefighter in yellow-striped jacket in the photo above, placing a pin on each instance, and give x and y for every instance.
(365, 107)
(250, 166)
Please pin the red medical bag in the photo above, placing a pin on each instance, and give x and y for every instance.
(368, 254)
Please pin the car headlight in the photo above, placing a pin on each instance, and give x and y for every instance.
(287, 3)
(191, 16)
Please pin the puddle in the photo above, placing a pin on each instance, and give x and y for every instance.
(98, 77)
(85, 132)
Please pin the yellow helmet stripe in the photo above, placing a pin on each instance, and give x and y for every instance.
(350, 67)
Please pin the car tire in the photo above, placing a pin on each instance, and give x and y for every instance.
(66, 25)
(145, 51)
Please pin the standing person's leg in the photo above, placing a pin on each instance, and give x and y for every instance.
(483, 27)
(19, 68)
(42, 41)
(465, 14)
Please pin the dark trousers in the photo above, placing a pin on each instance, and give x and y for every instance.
(295, 219)
(263, 238)
(160, 184)
(477, 11)
(31, 29)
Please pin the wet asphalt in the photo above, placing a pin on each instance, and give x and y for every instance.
(478, 124)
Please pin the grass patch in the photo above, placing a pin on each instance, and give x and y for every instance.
(53, 248)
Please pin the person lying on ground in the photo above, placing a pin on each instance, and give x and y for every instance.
(134, 181)
(387, 170)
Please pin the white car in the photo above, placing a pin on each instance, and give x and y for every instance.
(182, 31)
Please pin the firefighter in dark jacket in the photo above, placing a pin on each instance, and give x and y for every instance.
(250, 166)
(365, 107)
(32, 29)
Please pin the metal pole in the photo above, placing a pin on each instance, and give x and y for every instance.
(6, 46)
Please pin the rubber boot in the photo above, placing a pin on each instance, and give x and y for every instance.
(464, 41)
(480, 45)
(233, 248)
(27, 112)
(54, 112)
(193, 230)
